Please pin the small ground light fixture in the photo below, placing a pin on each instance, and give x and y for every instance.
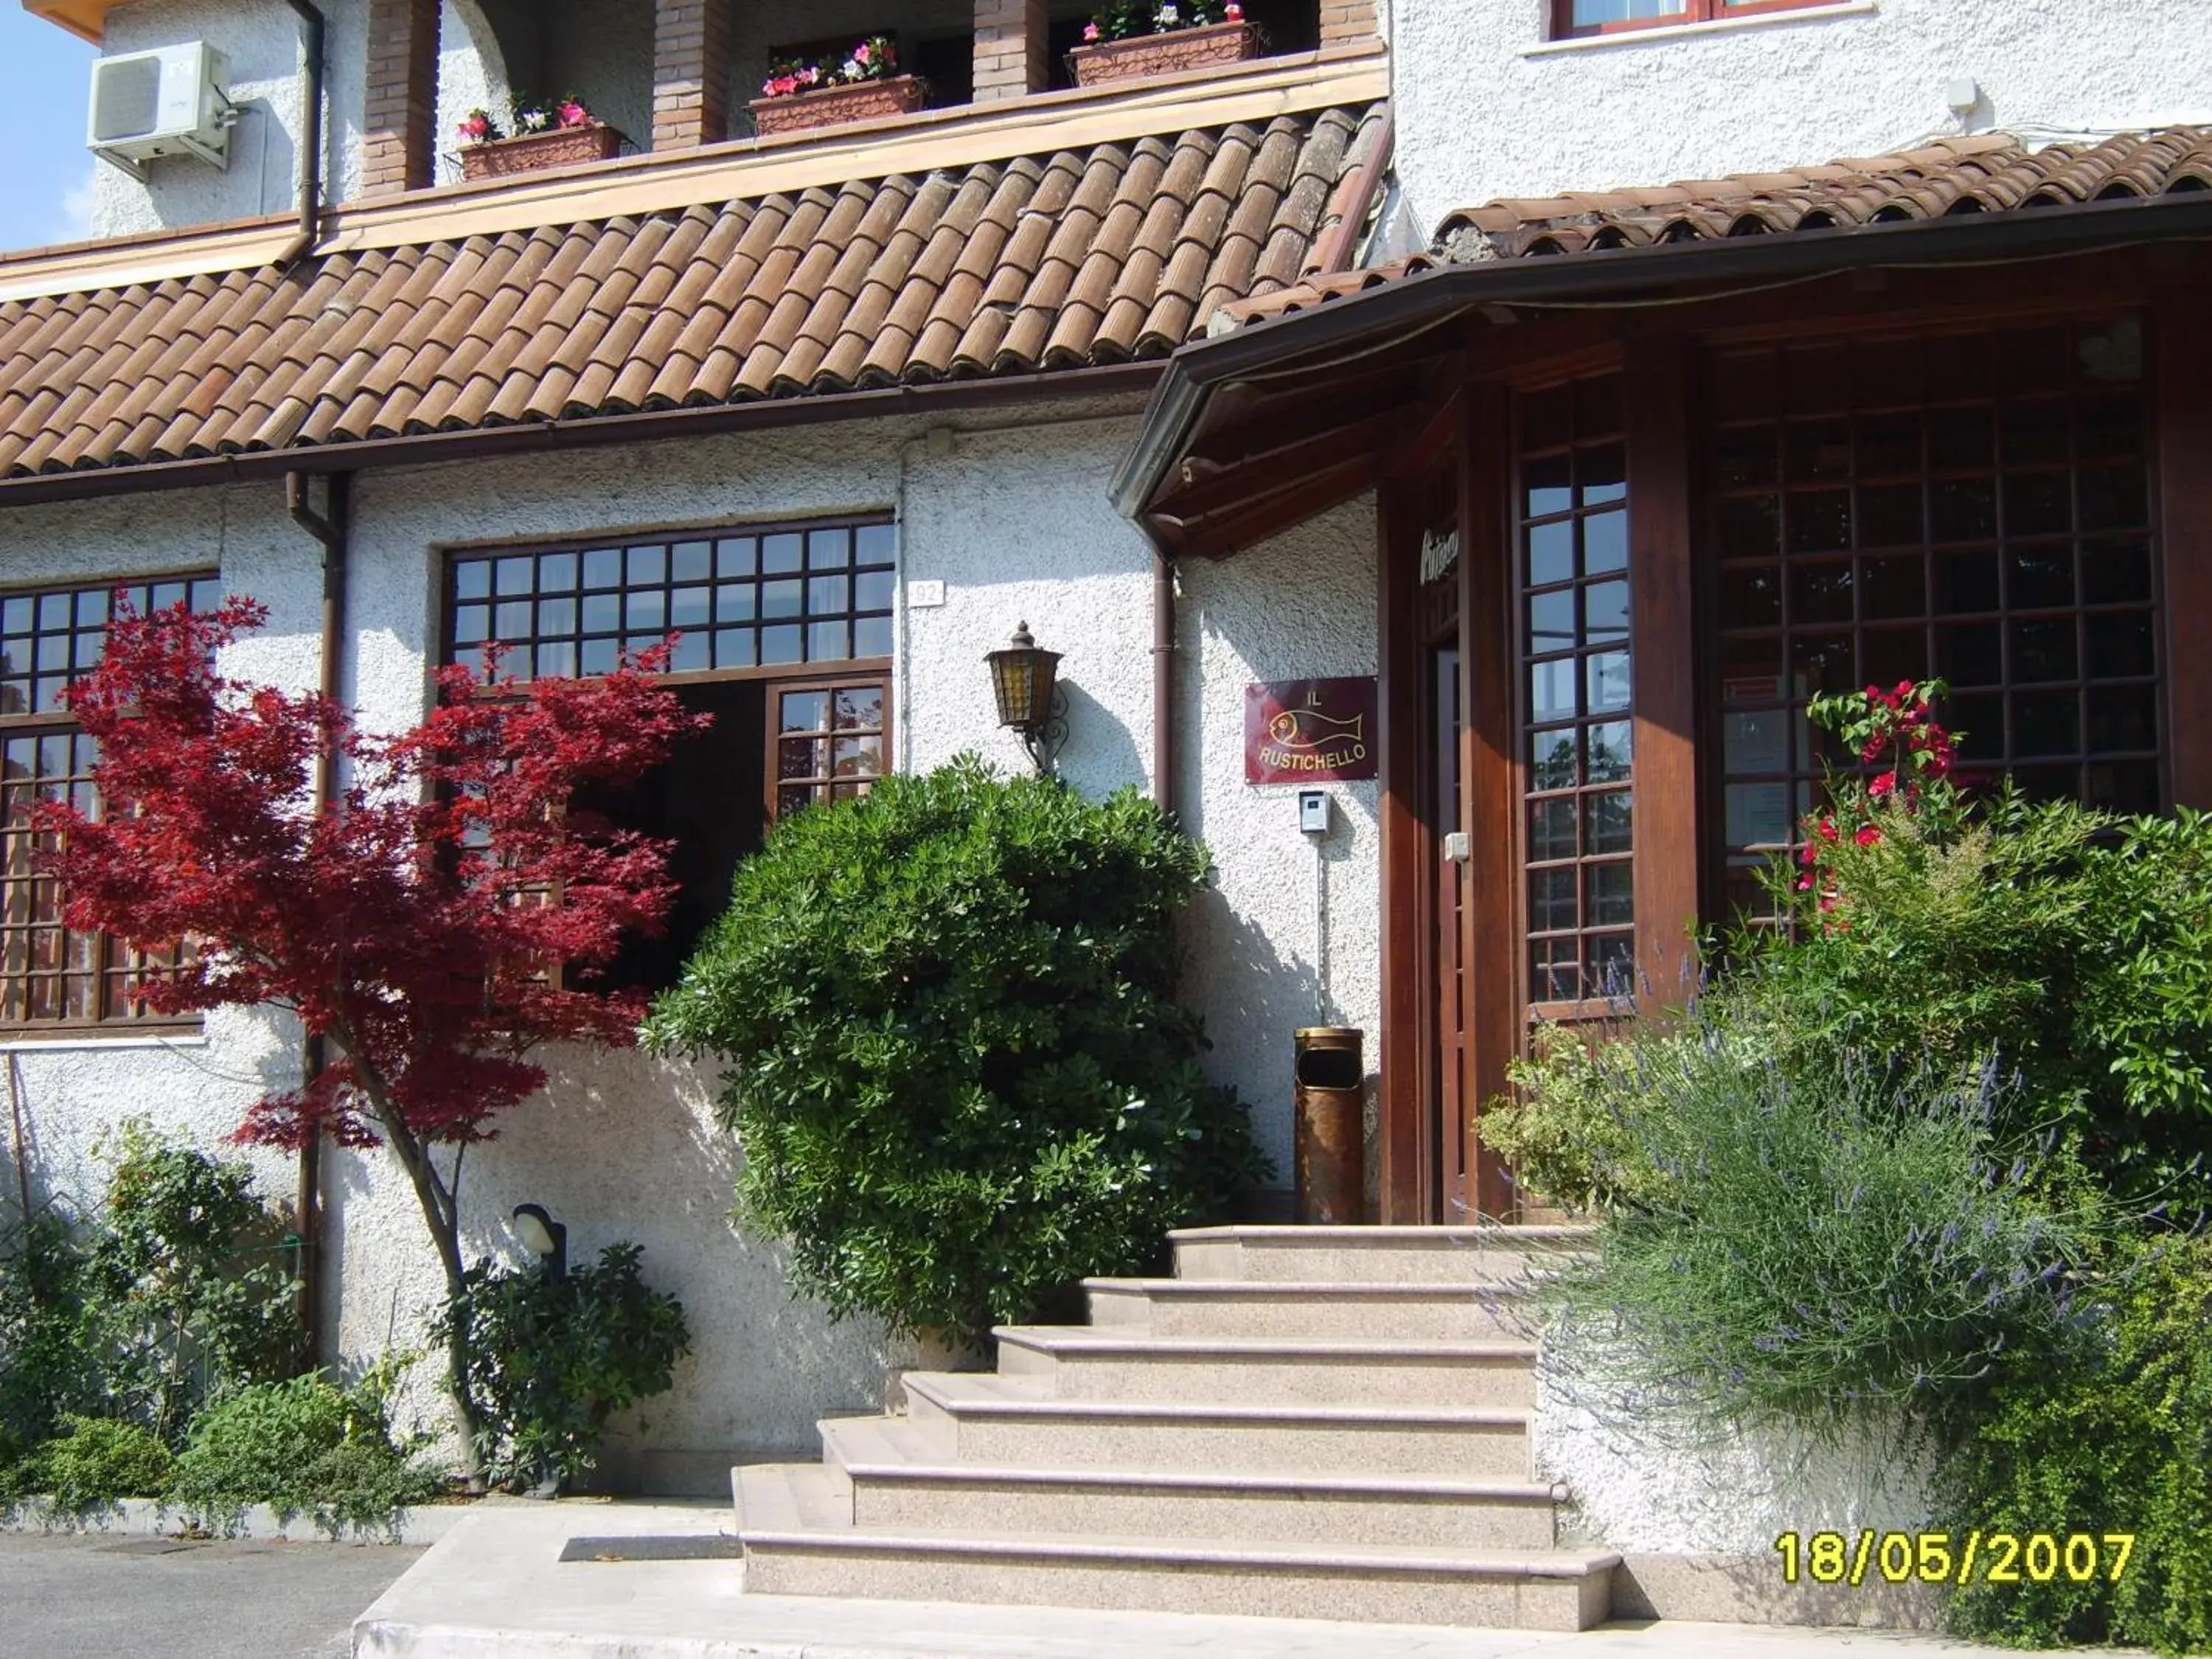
(543, 1237)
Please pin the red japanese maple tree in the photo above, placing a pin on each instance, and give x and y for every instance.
(445, 916)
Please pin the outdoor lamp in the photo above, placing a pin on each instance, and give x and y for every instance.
(1022, 678)
(543, 1237)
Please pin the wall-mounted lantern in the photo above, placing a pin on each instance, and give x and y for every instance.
(1022, 678)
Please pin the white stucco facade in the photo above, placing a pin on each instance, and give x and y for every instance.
(261, 39)
(1487, 106)
(1012, 518)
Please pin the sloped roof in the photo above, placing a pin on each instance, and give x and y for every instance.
(1993, 173)
(1951, 178)
(1109, 254)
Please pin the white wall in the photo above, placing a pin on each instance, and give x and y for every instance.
(1015, 522)
(263, 40)
(1481, 115)
(1300, 606)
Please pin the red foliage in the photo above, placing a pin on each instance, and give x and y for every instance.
(411, 926)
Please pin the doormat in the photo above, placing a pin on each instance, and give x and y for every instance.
(647, 1546)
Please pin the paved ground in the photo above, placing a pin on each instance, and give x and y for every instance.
(497, 1589)
(151, 1598)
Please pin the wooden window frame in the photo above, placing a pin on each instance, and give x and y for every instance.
(1564, 26)
(773, 783)
(112, 1015)
(2002, 546)
(455, 650)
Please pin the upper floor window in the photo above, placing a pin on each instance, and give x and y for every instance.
(1571, 18)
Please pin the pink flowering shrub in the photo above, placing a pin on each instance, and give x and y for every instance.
(875, 58)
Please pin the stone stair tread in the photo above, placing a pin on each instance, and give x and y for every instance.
(1346, 1289)
(886, 1448)
(796, 1505)
(1338, 1237)
(985, 1393)
(1107, 1340)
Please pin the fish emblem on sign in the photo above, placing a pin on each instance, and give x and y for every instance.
(1309, 731)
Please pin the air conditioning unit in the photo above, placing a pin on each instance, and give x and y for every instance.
(171, 102)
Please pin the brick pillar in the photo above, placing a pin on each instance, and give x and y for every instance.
(401, 109)
(690, 73)
(1347, 22)
(1010, 49)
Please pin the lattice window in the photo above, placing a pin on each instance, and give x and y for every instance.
(1578, 742)
(828, 742)
(52, 975)
(1976, 506)
(741, 598)
(1578, 17)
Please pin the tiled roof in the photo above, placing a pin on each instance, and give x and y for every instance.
(1116, 253)
(1990, 173)
(1949, 179)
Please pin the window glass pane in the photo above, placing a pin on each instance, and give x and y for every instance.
(691, 561)
(603, 568)
(828, 641)
(875, 544)
(871, 636)
(736, 555)
(828, 550)
(557, 572)
(874, 590)
(780, 554)
(1594, 13)
(518, 576)
(783, 645)
(646, 565)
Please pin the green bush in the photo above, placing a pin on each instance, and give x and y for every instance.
(1941, 927)
(98, 1461)
(305, 1446)
(176, 1288)
(962, 1080)
(1810, 1246)
(49, 1363)
(186, 1283)
(550, 1360)
(2118, 1442)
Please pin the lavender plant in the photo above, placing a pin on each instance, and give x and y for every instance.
(1814, 1244)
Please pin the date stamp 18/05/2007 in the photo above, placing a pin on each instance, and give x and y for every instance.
(1943, 1558)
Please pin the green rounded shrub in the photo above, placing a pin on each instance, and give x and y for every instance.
(961, 1078)
(551, 1359)
(100, 1460)
(2119, 1440)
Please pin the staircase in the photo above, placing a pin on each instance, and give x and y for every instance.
(1306, 1422)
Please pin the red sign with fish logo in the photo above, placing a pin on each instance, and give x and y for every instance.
(1311, 730)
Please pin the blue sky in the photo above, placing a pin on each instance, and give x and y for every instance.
(44, 74)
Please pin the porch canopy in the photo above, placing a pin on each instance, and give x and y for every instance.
(1654, 467)
(1305, 398)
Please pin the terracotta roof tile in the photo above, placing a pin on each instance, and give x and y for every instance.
(1991, 172)
(1041, 261)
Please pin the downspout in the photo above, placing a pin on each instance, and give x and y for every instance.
(311, 143)
(1163, 674)
(329, 527)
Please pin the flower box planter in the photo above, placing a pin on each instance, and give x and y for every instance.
(563, 146)
(1143, 55)
(831, 107)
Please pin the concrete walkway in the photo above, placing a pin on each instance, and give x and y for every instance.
(497, 1589)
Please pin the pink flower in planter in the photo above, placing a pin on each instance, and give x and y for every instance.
(1232, 13)
(477, 128)
(862, 55)
(573, 114)
(1090, 32)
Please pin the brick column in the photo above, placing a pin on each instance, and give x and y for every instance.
(402, 109)
(1010, 49)
(690, 73)
(1347, 22)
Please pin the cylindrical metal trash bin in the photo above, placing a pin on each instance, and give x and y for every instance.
(1332, 1134)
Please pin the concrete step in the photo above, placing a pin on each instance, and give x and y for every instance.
(1088, 1362)
(798, 1542)
(983, 1419)
(1487, 1254)
(1433, 1310)
(896, 1479)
